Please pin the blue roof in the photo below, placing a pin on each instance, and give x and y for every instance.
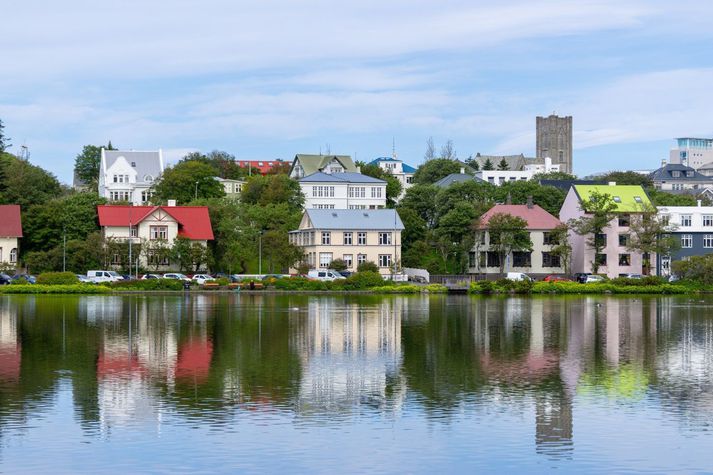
(346, 177)
(368, 219)
(406, 168)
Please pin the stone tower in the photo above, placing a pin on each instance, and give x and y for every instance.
(554, 140)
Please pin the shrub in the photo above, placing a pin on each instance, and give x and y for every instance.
(19, 281)
(338, 265)
(148, 284)
(436, 289)
(54, 289)
(367, 266)
(57, 278)
(523, 286)
(222, 281)
(363, 280)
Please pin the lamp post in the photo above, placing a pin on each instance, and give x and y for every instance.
(196, 196)
(64, 248)
(259, 265)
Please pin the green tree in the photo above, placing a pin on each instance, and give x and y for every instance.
(338, 265)
(87, 164)
(547, 197)
(503, 165)
(272, 189)
(422, 200)
(25, 184)
(562, 247)
(662, 198)
(393, 185)
(454, 236)
(415, 228)
(553, 176)
(628, 178)
(488, 165)
(155, 252)
(4, 140)
(508, 234)
(368, 266)
(650, 234)
(187, 181)
(435, 169)
(600, 210)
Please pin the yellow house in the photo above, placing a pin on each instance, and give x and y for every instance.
(355, 236)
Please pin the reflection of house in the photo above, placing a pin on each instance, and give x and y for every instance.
(10, 233)
(354, 236)
(233, 188)
(151, 225)
(304, 165)
(10, 349)
(692, 228)
(616, 258)
(540, 260)
(129, 175)
(343, 191)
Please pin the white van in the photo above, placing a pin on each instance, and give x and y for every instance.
(99, 276)
(518, 276)
(326, 275)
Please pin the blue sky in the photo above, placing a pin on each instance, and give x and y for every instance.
(269, 79)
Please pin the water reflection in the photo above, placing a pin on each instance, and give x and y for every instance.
(140, 362)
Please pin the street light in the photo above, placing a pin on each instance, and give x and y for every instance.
(259, 265)
(196, 190)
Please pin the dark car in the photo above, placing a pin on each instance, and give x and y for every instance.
(5, 279)
(581, 277)
(30, 279)
(346, 273)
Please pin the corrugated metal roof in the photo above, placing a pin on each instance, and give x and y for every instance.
(347, 177)
(146, 164)
(10, 221)
(368, 219)
(536, 217)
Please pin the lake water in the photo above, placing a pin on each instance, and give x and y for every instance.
(265, 383)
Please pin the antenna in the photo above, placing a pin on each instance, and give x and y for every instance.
(24, 152)
(393, 147)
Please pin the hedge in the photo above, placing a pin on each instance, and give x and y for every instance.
(57, 278)
(609, 287)
(148, 284)
(54, 289)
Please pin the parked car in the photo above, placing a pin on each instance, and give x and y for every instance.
(346, 273)
(631, 276)
(518, 276)
(556, 278)
(5, 279)
(326, 275)
(30, 279)
(593, 279)
(83, 279)
(99, 276)
(176, 276)
(201, 279)
(127, 277)
(418, 278)
(150, 276)
(673, 278)
(581, 277)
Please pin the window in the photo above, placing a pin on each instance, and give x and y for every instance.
(623, 240)
(548, 239)
(409, 179)
(134, 231)
(384, 239)
(624, 259)
(357, 206)
(119, 196)
(13, 255)
(665, 219)
(357, 192)
(689, 173)
(686, 241)
(116, 259)
(361, 258)
(325, 259)
(676, 174)
(326, 237)
(708, 241)
(361, 239)
(471, 259)
(601, 259)
(157, 258)
(384, 260)
(347, 258)
(347, 239)
(624, 220)
(708, 220)
(600, 239)
(158, 232)
(550, 260)
(322, 206)
(493, 259)
(686, 220)
(521, 259)
(376, 192)
(146, 196)
(149, 179)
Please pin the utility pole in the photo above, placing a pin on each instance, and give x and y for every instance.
(259, 265)
(196, 190)
(64, 248)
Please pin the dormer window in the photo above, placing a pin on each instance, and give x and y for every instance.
(133, 164)
(676, 174)
(689, 173)
(638, 199)
(148, 178)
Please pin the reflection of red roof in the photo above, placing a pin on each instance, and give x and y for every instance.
(263, 165)
(10, 358)
(118, 364)
(193, 221)
(10, 222)
(536, 217)
(194, 360)
(529, 368)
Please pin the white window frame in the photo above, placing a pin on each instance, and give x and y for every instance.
(348, 238)
(158, 232)
(686, 220)
(384, 239)
(708, 220)
(326, 238)
(361, 239)
(708, 241)
(348, 260)
(686, 241)
(384, 260)
(325, 260)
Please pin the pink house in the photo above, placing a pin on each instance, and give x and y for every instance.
(615, 259)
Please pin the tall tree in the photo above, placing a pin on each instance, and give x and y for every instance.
(600, 210)
(650, 233)
(430, 150)
(4, 140)
(25, 184)
(507, 234)
(87, 164)
(435, 169)
(562, 247)
(628, 178)
(448, 151)
(186, 181)
(272, 189)
(488, 165)
(503, 165)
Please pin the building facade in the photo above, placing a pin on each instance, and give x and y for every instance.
(155, 228)
(677, 177)
(538, 262)
(397, 168)
(355, 236)
(615, 259)
(128, 176)
(343, 191)
(10, 234)
(232, 188)
(554, 140)
(500, 177)
(692, 228)
(304, 165)
(693, 152)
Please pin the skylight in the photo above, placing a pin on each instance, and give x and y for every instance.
(617, 199)
(638, 199)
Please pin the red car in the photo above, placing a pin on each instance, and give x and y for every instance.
(556, 278)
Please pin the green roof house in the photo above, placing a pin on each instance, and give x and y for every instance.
(304, 165)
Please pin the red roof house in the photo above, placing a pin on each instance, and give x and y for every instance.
(192, 222)
(536, 217)
(10, 221)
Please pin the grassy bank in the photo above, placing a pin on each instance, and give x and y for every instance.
(614, 286)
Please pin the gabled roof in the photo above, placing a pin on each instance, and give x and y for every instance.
(448, 180)
(314, 163)
(536, 217)
(10, 221)
(515, 162)
(665, 173)
(144, 163)
(406, 168)
(193, 221)
(631, 197)
(368, 219)
(348, 177)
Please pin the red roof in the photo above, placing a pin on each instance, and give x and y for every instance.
(193, 221)
(10, 222)
(536, 217)
(263, 166)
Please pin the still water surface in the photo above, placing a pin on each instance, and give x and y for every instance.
(252, 383)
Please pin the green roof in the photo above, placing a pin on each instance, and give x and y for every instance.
(628, 198)
(314, 163)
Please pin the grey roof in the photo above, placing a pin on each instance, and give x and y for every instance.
(346, 177)
(565, 185)
(369, 219)
(146, 163)
(447, 181)
(515, 162)
(665, 173)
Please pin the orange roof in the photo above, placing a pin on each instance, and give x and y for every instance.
(536, 217)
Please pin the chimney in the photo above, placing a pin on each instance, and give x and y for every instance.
(612, 183)
(529, 202)
(663, 162)
(699, 203)
(358, 169)
(462, 170)
(171, 203)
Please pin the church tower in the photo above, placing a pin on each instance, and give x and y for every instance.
(554, 140)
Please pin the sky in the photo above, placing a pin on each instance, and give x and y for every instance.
(270, 79)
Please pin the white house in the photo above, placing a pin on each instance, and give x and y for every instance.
(500, 177)
(343, 191)
(128, 175)
(401, 171)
